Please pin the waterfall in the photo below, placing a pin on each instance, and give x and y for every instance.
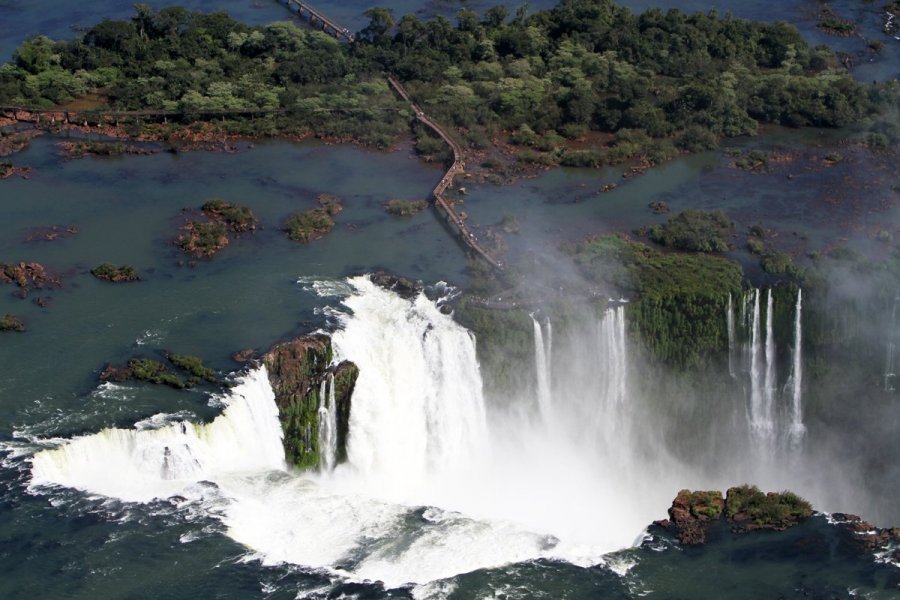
(758, 423)
(729, 320)
(771, 384)
(797, 429)
(542, 354)
(890, 370)
(418, 409)
(614, 364)
(327, 425)
(139, 465)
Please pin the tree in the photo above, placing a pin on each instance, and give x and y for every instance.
(381, 21)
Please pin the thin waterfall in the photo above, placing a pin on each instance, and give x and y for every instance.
(890, 371)
(613, 355)
(542, 367)
(797, 429)
(729, 319)
(756, 422)
(327, 425)
(771, 384)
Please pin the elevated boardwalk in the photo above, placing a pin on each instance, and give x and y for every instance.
(317, 18)
(446, 208)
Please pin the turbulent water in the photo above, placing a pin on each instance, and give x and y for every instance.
(482, 490)
(437, 481)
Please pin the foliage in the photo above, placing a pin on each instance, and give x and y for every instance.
(204, 238)
(773, 509)
(679, 299)
(192, 365)
(403, 208)
(310, 225)
(672, 79)
(153, 371)
(111, 272)
(694, 231)
(504, 343)
(11, 322)
(238, 218)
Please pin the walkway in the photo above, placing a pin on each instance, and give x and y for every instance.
(315, 16)
(457, 168)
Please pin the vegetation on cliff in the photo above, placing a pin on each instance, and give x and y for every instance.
(694, 231)
(297, 370)
(679, 299)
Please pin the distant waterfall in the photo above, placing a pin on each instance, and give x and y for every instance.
(890, 369)
(771, 385)
(327, 425)
(542, 361)
(797, 429)
(613, 355)
(732, 334)
(759, 424)
(418, 408)
(775, 410)
(139, 465)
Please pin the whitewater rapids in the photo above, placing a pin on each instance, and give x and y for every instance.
(436, 483)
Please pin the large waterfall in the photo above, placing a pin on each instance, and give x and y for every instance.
(139, 465)
(436, 482)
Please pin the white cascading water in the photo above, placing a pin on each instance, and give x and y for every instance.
(142, 464)
(758, 421)
(612, 335)
(797, 430)
(729, 321)
(327, 425)
(434, 484)
(890, 369)
(771, 384)
(542, 355)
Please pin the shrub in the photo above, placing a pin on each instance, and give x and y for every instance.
(695, 231)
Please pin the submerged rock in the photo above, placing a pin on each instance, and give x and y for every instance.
(297, 370)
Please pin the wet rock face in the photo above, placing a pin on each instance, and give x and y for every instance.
(867, 538)
(297, 370)
(691, 513)
(745, 508)
(403, 287)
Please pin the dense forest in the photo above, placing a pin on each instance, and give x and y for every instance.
(654, 83)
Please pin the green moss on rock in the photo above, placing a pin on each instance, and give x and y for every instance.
(11, 322)
(115, 274)
(296, 371)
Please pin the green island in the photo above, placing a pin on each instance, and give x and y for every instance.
(540, 80)
(11, 322)
(115, 274)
